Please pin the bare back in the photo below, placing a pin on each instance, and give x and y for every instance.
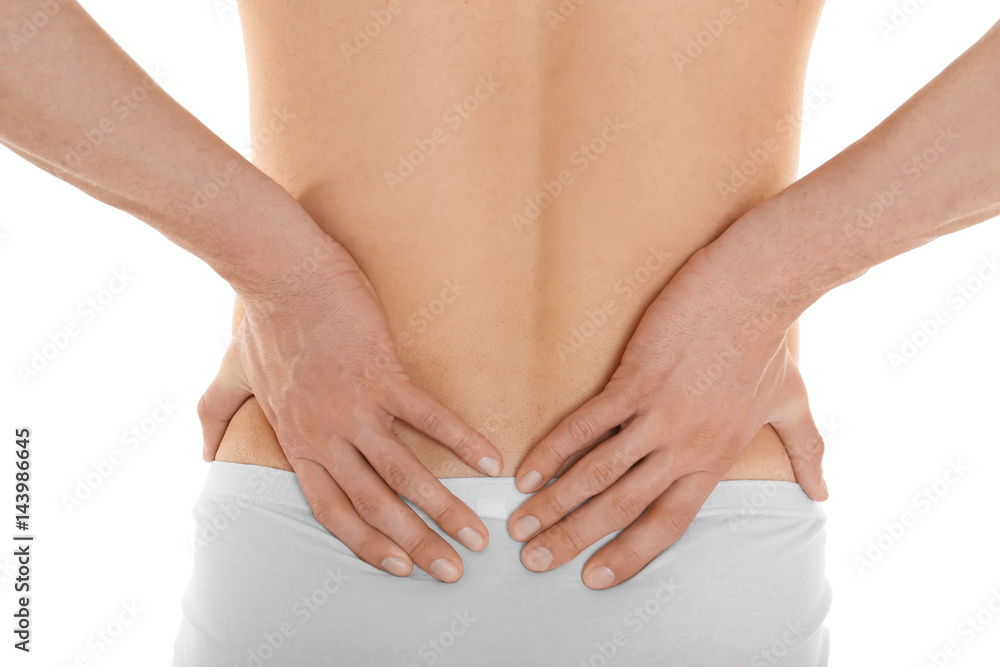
(519, 179)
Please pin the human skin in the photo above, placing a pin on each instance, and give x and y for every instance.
(73, 103)
(514, 317)
(929, 169)
(804, 269)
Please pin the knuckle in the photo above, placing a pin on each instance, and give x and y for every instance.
(601, 474)
(816, 447)
(365, 545)
(583, 429)
(368, 507)
(417, 545)
(203, 407)
(445, 514)
(323, 513)
(301, 419)
(625, 508)
(424, 493)
(725, 459)
(568, 535)
(702, 441)
(809, 449)
(675, 526)
(551, 505)
(396, 475)
(463, 446)
(637, 388)
(368, 381)
(630, 558)
(430, 422)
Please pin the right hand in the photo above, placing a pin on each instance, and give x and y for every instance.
(321, 361)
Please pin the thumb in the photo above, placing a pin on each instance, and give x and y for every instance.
(228, 391)
(794, 424)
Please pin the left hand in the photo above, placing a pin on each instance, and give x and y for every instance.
(703, 372)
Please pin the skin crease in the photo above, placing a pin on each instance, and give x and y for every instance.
(493, 353)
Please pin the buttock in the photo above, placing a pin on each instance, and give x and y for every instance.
(745, 585)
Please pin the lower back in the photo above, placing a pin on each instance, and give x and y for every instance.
(519, 187)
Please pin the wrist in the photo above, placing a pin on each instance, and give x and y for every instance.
(260, 239)
(303, 257)
(767, 268)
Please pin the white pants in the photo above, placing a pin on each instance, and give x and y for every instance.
(745, 586)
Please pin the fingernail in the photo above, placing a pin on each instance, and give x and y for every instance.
(529, 481)
(444, 570)
(537, 559)
(826, 492)
(524, 528)
(599, 577)
(489, 465)
(396, 566)
(471, 538)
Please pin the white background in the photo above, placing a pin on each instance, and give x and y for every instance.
(890, 432)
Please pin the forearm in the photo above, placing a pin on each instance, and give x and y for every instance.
(75, 104)
(931, 168)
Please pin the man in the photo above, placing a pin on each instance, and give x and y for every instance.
(518, 204)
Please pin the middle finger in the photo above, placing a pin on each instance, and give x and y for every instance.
(612, 510)
(592, 474)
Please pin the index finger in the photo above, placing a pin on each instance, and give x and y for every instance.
(575, 432)
(664, 521)
(425, 413)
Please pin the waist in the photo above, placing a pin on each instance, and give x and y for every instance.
(512, 355)
(251, 440)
